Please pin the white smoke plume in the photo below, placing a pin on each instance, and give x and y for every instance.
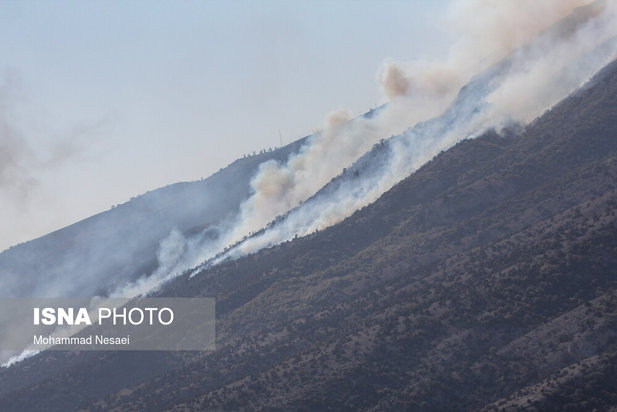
(426, 80)
(536, 75)
(280, 187)
(496, 28)
(544, 65)
(486, 31)
(12, 360)
(553, 68)
(172, 250)
(514, 64)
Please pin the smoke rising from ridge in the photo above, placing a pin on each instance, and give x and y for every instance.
(538, 72)
(544, 64)
(512, 70)
(486, 32)
(536, 75)
(417, 79)
(486, 26)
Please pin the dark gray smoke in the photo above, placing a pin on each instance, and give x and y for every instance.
(538, 72)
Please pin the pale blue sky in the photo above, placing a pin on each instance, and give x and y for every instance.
(105, 100)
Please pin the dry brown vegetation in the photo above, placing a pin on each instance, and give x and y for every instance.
(485, 280)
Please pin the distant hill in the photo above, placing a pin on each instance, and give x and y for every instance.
(484, 281)
(86, 258)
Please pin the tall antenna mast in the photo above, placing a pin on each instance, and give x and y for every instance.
(281, 137)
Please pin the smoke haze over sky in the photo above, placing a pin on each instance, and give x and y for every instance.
(179, 125)
(102, 101)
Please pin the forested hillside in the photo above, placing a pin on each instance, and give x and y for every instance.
(485, 280)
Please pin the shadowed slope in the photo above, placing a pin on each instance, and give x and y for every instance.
(485, 279)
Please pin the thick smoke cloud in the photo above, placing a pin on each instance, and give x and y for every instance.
(486, 27)
(556, 65)
(516, 64)
(486, 31)
(280, 187)
(425, 80)
(393, 80)
(536, 74)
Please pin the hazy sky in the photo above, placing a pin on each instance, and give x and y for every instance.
(104, 100)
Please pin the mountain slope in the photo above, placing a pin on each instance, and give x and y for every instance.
(477, 105)
(484, 280)
(173, 229)
(84, 259)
